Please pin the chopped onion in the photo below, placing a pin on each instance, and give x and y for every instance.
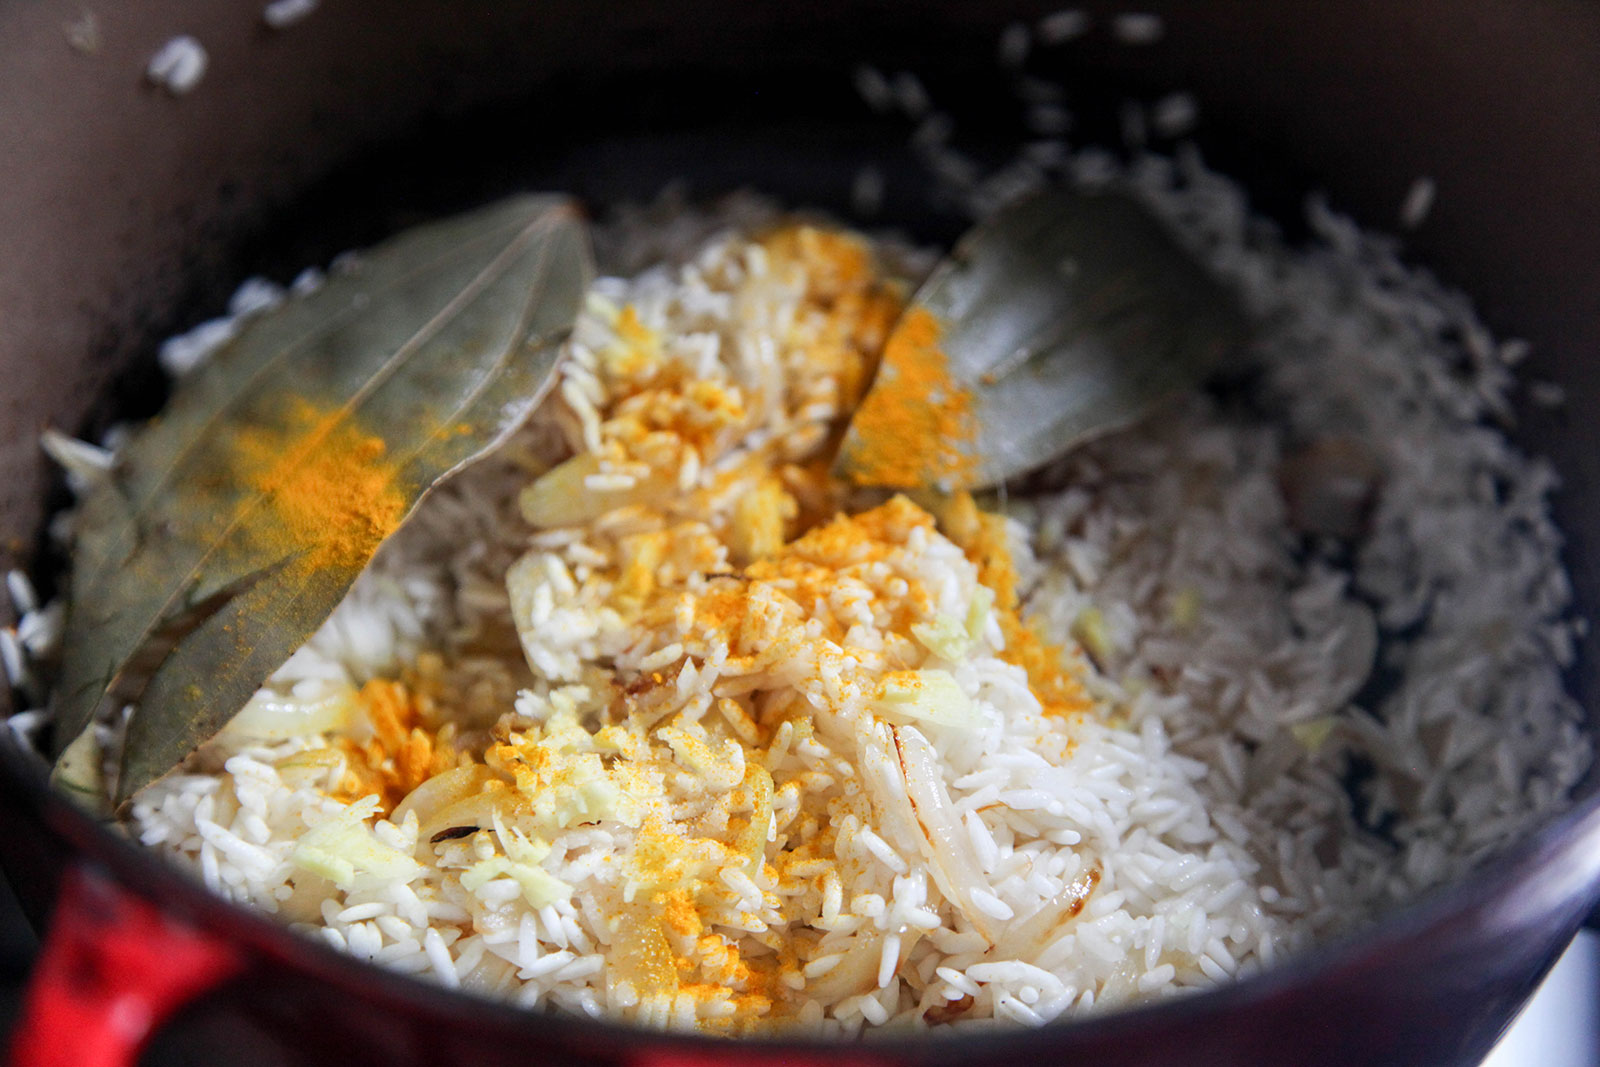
(521, 864)
(944, 636)
(565, 496)
(539, 886)
(931, 696)
(345, 851)
(1091, 631)
(641, 954)
(1313, 733)
(1186, 607)
(978, 612)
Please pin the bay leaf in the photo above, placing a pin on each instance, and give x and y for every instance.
(1065, 315)
(233, 523)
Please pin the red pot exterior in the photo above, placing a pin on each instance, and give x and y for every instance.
(113, 970)
(127, 211)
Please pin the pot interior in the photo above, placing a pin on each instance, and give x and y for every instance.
(134, 213)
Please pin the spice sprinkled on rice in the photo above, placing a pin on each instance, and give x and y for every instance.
(650, 717)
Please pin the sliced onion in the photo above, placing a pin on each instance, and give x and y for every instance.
(439, 794)
(857, 970)
(886, 786)
(1026, 938)
(947, 848)
(855, 973)
(1351, 657)
(273, 716)
(309, 767)
(475, 809)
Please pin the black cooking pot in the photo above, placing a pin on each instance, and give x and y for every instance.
(127, 212)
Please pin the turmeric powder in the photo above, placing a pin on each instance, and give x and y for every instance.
(916, 426)
(332, 492)
(982, 536)
(403, 751)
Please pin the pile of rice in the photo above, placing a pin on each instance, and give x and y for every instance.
(647, 718)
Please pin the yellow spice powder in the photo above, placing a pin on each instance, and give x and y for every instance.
(916, 426)
(332, 490)
(403, 751)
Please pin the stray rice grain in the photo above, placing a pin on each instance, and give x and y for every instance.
(281, 14)
(1418, 203)
(178, 65)
(1137, 28)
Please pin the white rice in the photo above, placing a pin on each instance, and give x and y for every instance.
(1547, 394)
(1204, 794)
(910, 94)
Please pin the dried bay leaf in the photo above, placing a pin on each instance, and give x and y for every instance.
(1064, 316)
(234, 523)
